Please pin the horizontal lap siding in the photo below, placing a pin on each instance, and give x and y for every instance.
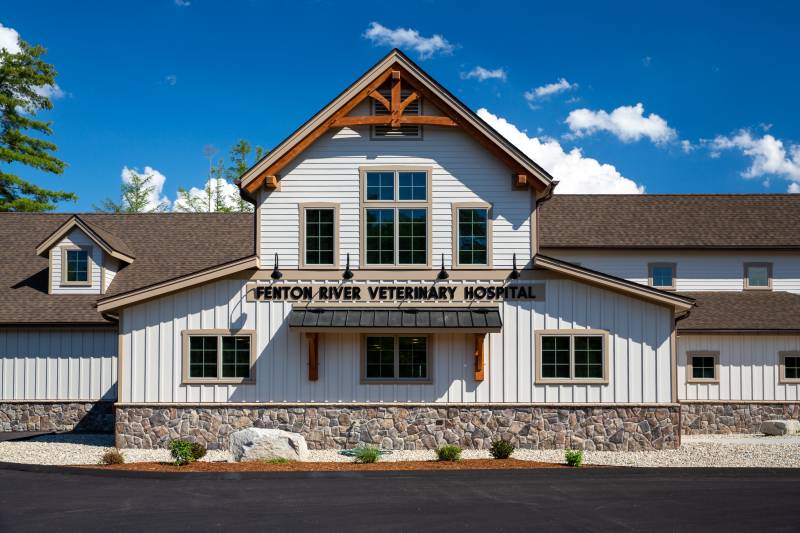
(75, 364)
(462, 171)
(749, 367)
(639, 352)
(696, 271)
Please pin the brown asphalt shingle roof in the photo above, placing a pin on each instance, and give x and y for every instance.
(165, 245)
(670, 221)
(749, 310)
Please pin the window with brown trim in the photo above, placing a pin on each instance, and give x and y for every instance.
(572, 356)
(217, 356)
(76, 265)
(789, 367)
(662, 275)
(702, 367)
(758, 276)
(319, 235)
(395, 358)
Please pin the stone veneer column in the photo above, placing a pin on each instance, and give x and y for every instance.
(401, 427)
(704, 418)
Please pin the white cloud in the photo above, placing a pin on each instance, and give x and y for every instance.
(794, 188)
(199, 198)
(157, 180)
(576, 173)
(50, 91)
(550, 89)
(9, 40)
(768, 156)
(483, 74)
(627, 123)
(408, 38)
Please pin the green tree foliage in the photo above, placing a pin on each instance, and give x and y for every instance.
(24, 78)
(136, 196)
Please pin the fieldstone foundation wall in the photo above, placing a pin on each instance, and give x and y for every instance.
(89, 417)
(409, 427)
(709, 418)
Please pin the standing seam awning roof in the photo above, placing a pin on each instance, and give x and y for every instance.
(483, 318)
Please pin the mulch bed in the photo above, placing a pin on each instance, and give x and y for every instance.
(465, 464)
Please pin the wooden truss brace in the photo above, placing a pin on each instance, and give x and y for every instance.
(395, 118)
(480, 362)
(313, 356)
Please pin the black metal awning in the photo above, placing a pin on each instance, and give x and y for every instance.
(484, 319)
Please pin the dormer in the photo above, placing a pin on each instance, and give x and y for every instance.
(83, 258)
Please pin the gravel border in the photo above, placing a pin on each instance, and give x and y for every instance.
(696, 451)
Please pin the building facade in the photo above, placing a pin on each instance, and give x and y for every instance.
(407, 279)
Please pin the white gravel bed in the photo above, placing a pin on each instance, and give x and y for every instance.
(696, 451)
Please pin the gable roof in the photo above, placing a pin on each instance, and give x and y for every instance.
(464, 117)
(700, 221)
(743, 312)
(679, 303)
(110, 243)
(166, 246)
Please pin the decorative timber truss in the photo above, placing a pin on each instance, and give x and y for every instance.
(403, 76)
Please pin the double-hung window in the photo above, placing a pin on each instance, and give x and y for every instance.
(396, 217)
(218, 357)
(471, 235)
(577, 356)
(76, 266)
(662, 275)
(395, 358)
(319, 246)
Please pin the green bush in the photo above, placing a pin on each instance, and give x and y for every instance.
(112, 457)
(366, 454)
(501, 449)
(574, 457)
(448, 453)
(277, 461)
(186, 452)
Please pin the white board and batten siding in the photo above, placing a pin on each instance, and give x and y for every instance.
(462, 171)
(639, 343)
(57, 364)
(748, 368)
(705, 270)
(76, 238)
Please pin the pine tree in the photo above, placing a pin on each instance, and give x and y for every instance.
(239, 165)
(135, 197)
(24, 78)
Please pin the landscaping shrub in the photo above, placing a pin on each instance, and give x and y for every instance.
(186, 452)
(448, 453)
(574, 457)
(112, 457)
(366, 454)
(277, 461)
(501, 449)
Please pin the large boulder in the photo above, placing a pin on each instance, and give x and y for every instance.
(780, 427)
(259, 444)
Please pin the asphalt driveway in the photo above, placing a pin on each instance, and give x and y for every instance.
(544, 500)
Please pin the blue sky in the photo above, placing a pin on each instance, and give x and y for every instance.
(149, 84)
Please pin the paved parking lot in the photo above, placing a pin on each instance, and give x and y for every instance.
(600, 499)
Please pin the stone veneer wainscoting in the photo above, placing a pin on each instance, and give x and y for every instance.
(410, 427)
(85, 417)
(718, 418)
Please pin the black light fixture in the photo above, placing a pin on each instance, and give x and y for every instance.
(348, 274)
(442, 273)
(276, 274)
(514, 273)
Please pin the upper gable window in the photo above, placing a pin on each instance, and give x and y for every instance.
(77, 268)
(662, 275)
(406, 131)
(758, 276)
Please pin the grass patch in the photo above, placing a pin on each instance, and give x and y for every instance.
(366, 455)
(277, 461)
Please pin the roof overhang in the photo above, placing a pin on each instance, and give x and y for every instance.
(681, 305)
(105, 305)
(73, 223)
(417, 319)
(266, 170)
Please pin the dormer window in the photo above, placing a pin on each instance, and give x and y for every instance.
(77, 267)
(405, 131)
